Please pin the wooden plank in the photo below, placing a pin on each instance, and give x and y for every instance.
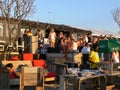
(76, 57)
(60, 60)
(39, 88)
(31, 82)
(4, 79)
(31, 76)
(32, 70)
(21, 81)
(16, 63)
(34, 43)
(4, 70)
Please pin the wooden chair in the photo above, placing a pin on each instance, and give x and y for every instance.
(60, 67)
(32, 76)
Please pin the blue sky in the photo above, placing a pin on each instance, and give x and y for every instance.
(90, 14)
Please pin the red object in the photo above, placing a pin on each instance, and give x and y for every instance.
(51, 74)
(13, 75)
(14, 58)
(39, 63)
(27, 56)
(42, 63)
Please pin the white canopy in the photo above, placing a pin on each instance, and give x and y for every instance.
(108, 33)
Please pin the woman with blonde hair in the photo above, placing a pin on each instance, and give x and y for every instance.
(52, 38)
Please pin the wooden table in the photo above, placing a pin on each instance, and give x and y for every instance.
(113, 78)
(114, 73)
(100, 77)
(64, 79)
(78, 80)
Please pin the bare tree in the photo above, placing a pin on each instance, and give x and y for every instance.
(13, 12)
(116, 16)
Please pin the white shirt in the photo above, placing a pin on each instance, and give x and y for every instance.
(74, 46)
(115, 58)
(52, 35)
(85, 50)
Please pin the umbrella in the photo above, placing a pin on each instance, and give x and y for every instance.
(110, 45)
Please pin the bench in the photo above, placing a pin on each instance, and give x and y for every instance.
(6, 82)
(17, 63)
(71, 57)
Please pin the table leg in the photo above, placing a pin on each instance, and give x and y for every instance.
(102, 83)
(62, 83)
(82, 85)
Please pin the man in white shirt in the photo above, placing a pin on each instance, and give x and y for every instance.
(85, 51)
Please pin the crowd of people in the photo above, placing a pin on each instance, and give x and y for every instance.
(85, 44)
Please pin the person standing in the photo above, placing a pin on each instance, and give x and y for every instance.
(85, 51)
(94, 57)
(85, 38)
(60, 36)
(38, 33)
(52, 38)
(115, 57)
(29, 33)
(40, 45)
(25, 32)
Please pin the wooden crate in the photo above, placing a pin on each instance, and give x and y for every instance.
(32, 76)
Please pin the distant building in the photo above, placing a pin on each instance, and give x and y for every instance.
(44, 27)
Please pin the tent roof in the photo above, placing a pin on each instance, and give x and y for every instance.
(105, 32)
